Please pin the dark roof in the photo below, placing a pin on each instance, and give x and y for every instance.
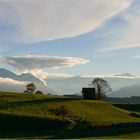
(88, 89)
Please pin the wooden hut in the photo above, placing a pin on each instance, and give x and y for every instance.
(89, 93)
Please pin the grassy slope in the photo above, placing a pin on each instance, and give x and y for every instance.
(37, 111)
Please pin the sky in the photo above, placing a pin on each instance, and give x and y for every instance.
(70, 37)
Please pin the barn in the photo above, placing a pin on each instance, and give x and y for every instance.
(89, 93)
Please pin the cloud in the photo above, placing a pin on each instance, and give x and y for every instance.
(41, 74)
(36, 64)
(63, 75)
(59, 75)
(128, 36)
(8, 22)
(8, 84)
(8, 81)
(46, 20)
(111, 76)
(31, 62)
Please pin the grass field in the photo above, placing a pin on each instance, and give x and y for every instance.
(41, 116)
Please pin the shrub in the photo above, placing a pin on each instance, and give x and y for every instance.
(61, 111)
(38, 92)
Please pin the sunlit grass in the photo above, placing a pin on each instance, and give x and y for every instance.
(33, 108)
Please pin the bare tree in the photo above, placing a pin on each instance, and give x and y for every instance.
(30, 88)
(101, 86)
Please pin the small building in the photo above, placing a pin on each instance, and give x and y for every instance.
(89, 93)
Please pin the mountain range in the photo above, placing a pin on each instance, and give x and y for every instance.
(123, 85)
(73, 85)
(17, 83)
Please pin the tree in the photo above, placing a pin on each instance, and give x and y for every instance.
(30, 88)
(101, 86)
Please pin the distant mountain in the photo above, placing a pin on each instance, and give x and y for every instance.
(74, 85)
(123, 85)
(126, 75)
(8, 74)
(25, 78)
(29, 77)
(133, 90)
(70, 85)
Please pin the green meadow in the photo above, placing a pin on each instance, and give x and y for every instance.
(47, 116)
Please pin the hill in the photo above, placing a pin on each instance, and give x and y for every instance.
(61, 117)
(133, 90)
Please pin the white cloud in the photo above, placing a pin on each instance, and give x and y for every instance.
(8, 81)
(118, 76)
(8, 84)
(32, 62)
(110, 76)
(46, 20)
(58, 75)
(36, 64)
(129, 36)
(42, 75)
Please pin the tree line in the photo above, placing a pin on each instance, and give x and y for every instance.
(100, 85)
